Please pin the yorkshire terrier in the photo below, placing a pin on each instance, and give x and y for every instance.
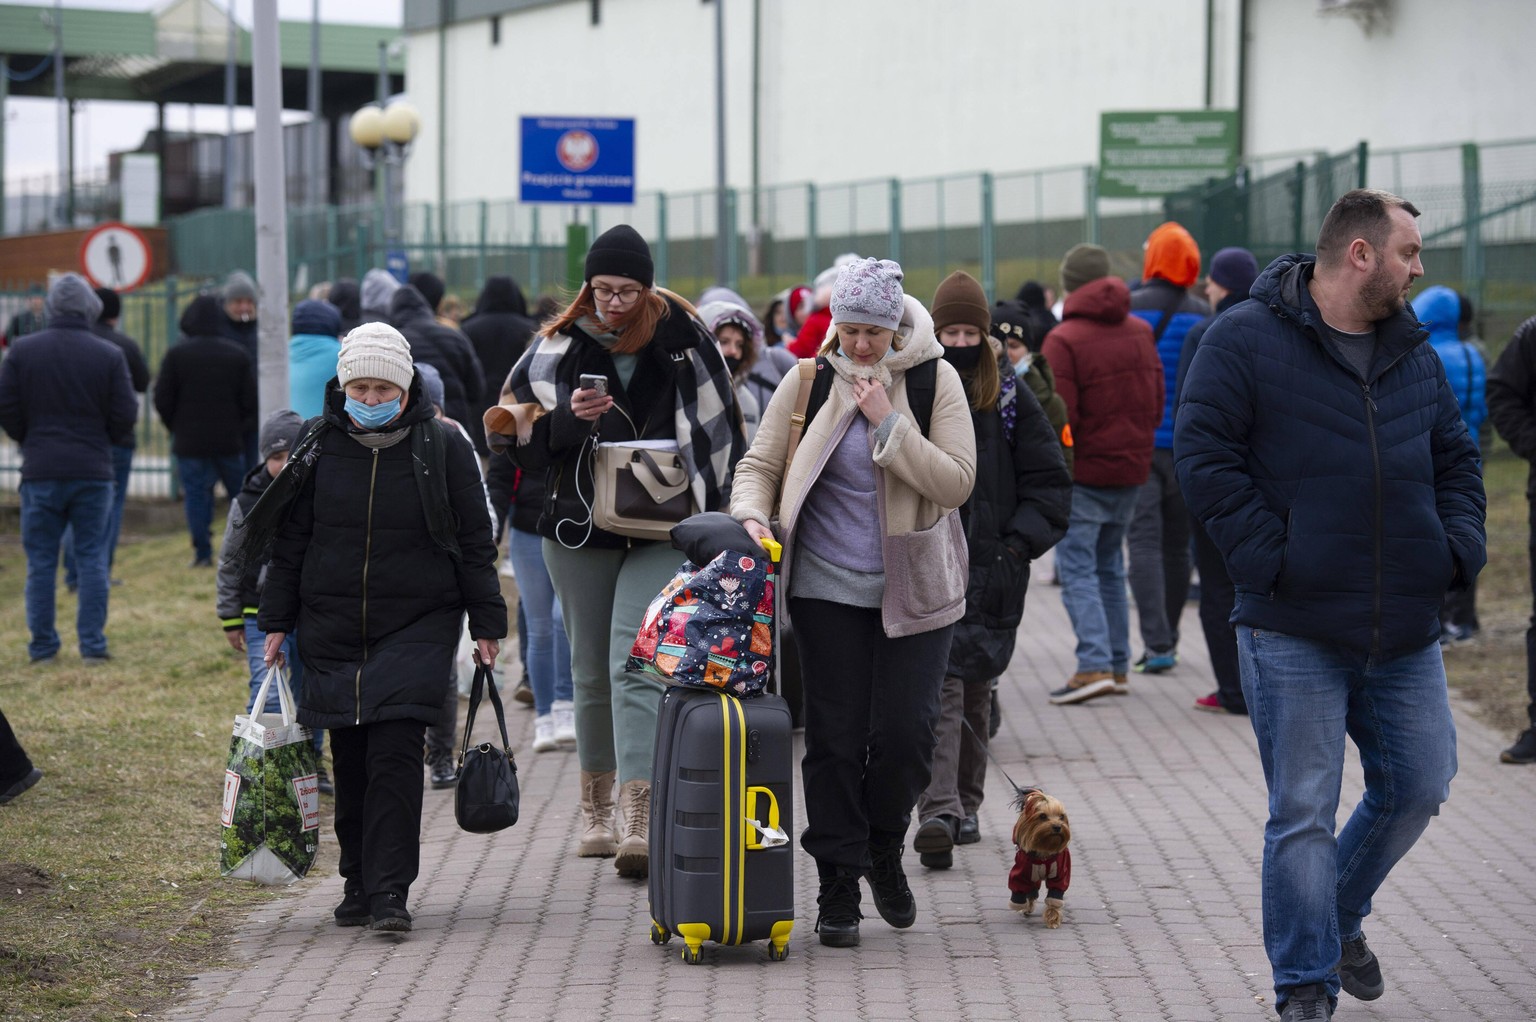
(1041, 834)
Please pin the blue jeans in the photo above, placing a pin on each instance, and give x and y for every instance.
(1304, 696)
(48, 507)
(1090, 561)
(547, 654)
(197, 478)
(122, 469)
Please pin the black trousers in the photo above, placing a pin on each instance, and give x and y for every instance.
(1216, 598)
(378, 804)
(14, 764)
(871, 708)
(1530, 632)
(443, 736)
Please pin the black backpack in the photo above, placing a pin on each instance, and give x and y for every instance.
(922, 381)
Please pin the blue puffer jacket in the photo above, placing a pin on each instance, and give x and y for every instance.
(1439, 309)
(1344, 507)
(1151, 301)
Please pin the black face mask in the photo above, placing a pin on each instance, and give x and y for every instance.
(732, 363)
(963, 359)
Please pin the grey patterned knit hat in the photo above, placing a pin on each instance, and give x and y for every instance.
(868, 291)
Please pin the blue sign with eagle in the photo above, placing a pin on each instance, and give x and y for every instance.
(578, 160)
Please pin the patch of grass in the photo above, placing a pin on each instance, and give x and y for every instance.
(110, 896)
(1490, 670)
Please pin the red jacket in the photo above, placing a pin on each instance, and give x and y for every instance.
(808, 342)
(1108, 373)
(1029, 872)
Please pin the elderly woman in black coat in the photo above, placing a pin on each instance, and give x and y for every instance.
(382, 543)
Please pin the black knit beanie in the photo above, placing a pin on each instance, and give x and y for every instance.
(621, 252)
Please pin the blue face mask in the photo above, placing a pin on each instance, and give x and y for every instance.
(372, 416)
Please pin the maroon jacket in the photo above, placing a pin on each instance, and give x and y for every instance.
(1108, 373)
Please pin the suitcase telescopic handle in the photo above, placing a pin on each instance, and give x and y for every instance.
(769, 836)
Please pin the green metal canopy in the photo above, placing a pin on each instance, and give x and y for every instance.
(176, 54)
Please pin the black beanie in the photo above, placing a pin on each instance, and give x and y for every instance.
(621, 252)
(111, 304)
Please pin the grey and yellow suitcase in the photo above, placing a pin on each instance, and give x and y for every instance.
(722, 866)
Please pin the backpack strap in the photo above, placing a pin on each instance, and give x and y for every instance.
(807, 369)
(922, 383)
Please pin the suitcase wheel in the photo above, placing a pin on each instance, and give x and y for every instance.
(658, 934)
(691, 955)
(778, 946)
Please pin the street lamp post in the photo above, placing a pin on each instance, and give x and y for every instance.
(385, 134)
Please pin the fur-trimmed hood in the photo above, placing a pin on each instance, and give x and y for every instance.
(915, 344)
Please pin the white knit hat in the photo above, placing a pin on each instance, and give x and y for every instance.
(375, 351)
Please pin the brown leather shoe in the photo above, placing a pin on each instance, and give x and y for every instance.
(1083, 686)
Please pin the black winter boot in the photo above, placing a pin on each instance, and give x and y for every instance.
(837, 918)
(353, 910)
(887, 881)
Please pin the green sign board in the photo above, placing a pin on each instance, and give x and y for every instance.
(1149, 152)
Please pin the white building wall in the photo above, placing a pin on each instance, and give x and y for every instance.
(876, 89)
(1433, 72)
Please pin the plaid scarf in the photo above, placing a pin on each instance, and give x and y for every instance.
(704, 411)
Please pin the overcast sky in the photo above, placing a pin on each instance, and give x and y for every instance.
(31, 125)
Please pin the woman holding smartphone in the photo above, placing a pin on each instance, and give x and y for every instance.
(624, 361)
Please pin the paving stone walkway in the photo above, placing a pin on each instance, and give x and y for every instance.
(1162, 919)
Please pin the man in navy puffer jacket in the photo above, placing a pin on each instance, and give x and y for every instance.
(1322, 449)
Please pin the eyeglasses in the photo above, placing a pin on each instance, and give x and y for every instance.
(623, 297)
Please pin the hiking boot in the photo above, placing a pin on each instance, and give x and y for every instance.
(445, 772)
(1524, 749)
(1307, 1004)
(888, 884)
(1122, 683)
(934, 843)
(1359, 971)
(544, 734)
(20, 785)
(1153, 662)
(633, 859)
(353, 910)
(1082, 686)
(837, 904)
(564, 712)
(389, 914)
(597, 837)
(969, 831)
(524, 691)
(323, 782)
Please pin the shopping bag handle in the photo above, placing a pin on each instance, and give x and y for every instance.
(286, 707)
(484, 684)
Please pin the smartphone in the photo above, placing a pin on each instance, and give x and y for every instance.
(594, 381)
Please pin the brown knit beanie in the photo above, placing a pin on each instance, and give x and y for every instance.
(958, 300)
(1083, 263)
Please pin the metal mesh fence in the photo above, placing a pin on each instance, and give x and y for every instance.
(1478, 203)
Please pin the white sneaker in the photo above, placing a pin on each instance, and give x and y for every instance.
(544, 734)
(507, 570)
(564, 712)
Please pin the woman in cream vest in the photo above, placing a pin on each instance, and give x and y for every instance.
(873, 574)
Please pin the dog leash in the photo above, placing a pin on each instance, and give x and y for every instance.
(1019, 792)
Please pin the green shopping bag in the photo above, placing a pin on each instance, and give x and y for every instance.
(271, 817)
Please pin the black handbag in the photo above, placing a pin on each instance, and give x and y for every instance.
(486, 798)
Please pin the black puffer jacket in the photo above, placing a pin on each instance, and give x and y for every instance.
(499, 328)
(1016, 512)
(516, 495)
(443, 348)
(206, 392)
(375, 601)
